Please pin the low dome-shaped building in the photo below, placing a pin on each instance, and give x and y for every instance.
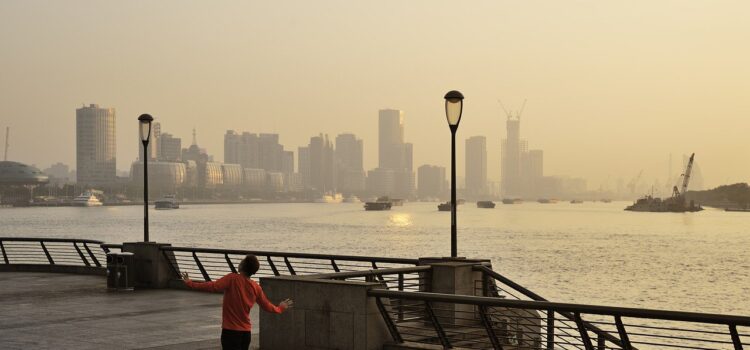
(14, 173)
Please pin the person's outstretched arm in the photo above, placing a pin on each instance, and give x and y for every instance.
(215, 286)
(265, 304)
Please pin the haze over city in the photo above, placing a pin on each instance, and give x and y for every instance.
(611, 88)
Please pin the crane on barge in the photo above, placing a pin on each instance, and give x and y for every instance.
(675, 204)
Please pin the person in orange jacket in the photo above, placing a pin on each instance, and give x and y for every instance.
(240, 294)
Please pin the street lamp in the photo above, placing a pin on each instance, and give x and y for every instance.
(454, 105)
(144, 123)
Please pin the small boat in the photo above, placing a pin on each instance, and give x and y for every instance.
(382, 203)
(512, 200)
(576, 201)
(86, 199)
(606, 200)
(485, 204)
(167, 202)
(445, 206)
(547, 200)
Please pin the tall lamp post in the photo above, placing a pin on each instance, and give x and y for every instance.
(454, 105)
(145, 130)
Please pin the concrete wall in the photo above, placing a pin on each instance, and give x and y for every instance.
(80, 270)
(326, 315)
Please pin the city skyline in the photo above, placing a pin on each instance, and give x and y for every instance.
(605, 98)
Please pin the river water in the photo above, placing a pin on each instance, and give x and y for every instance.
(592, 253)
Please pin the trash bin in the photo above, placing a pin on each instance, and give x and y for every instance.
(120, 271)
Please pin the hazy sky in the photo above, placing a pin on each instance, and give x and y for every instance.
(612, 87)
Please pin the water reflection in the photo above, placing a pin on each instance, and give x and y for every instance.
(400, 220)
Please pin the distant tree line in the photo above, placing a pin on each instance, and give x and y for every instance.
(726, 196)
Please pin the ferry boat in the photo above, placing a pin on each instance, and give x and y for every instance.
(167, 202)
(86, 199)
(547, 200)
(512, 200)
(485, 204)
(382, 203)
(576, 201)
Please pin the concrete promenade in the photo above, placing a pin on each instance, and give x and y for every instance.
(67, 311)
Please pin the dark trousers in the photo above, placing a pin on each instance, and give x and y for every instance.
(234, 340)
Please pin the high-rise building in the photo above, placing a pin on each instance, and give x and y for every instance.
(391, 139)
(322, 172)
(349, 164)
(96, 150)
(170, 148)
(303, 165)
(511, 158)
(394, 155)
(257, 151)
(287, 164)
(476, 166)
(431, 181)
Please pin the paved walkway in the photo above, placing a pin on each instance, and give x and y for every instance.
(65, 311)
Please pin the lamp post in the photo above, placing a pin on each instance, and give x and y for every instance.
(145, 130)
(454, 105)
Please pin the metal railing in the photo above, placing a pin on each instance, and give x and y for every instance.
(498, 323)
(414, 279)
(493, 284)
(51, 251)
(208, 264)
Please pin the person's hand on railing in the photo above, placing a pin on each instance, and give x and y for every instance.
(286, 304)
(185, 277)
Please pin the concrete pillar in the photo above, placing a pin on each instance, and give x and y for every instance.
(327, 314)
(152, 268)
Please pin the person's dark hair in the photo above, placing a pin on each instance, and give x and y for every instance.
(249, 265)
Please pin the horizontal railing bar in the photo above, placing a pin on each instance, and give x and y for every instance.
(293, 255)
(557, 307)
(675, 346)
(31, 239)
(378, 272)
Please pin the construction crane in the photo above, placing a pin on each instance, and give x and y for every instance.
(509, 113)
(7, 143)
(685, 179)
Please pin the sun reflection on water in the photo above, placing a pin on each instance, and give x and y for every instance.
(400, 220)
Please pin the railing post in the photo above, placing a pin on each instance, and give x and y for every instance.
(172, 263)
(400, 301)
(380, 277)
(206, 277)
(488, 327)
(625, 341)
(5, 255)
(91, 254)
(335, 267)
(735, 337)
(584, 333)
(289, 266)
(389, 322)
(46, 252)
(273, 266)
(438, 328)
(229, 262)
(550, 329)
(80, 253)
(600, 344)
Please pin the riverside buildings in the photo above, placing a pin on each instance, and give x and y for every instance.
(431, 182)
(96, 150)
(476, 167)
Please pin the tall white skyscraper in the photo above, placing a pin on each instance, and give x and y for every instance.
(96, 150)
